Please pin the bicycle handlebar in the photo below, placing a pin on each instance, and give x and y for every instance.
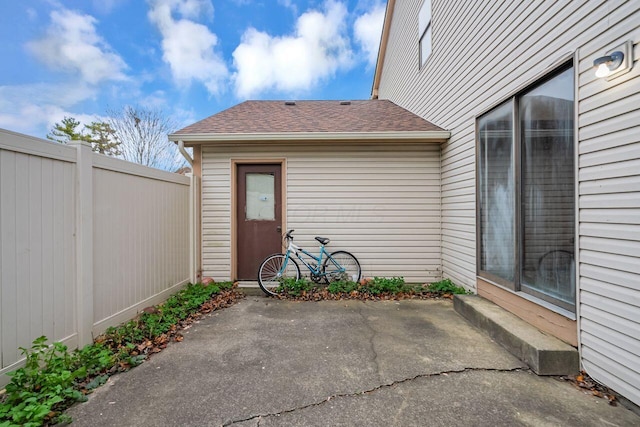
(288, 236)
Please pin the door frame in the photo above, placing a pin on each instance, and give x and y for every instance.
(234, 201)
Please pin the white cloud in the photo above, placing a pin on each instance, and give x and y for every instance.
(105, 7)
(34, 108)
(367, 30)
(183, 117)
(154, 100)
(188, 47)
(32, 14)
(317, 49)
(72, 44)
(289, 4)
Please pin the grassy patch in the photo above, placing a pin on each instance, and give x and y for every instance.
(54, 378)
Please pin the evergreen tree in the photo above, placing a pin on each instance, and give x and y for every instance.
(65, 131)
(103, 139)
(100, 135)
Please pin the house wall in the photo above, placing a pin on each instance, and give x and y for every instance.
(86, 241)
(379, 201)
(609, 210)
(483, 54)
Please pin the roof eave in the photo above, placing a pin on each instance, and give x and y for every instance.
(405, 136)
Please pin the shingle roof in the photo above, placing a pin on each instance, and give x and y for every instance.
(263, 117)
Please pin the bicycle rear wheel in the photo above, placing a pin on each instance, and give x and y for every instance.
(275, 268)
(341, 265)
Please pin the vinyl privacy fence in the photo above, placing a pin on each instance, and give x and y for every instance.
(86, 241)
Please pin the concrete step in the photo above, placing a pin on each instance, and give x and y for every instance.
(545, 355)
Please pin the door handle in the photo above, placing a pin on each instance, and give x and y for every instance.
(279, 229)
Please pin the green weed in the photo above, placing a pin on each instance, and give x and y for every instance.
(53, 377)
(393, 285)
(446, 286)
(294, 287)
(43, 387)
(345, 286)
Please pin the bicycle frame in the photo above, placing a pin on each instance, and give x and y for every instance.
(317, 269)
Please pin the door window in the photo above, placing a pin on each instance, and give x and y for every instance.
(261, 200)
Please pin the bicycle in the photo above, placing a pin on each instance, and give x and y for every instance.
(556, 268)
(323, 269)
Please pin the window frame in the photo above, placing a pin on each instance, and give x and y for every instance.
(423, 14)
(517, 142)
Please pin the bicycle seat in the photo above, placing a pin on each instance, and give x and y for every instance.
(323, 240)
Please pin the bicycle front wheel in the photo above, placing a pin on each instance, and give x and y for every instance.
(341, 265)
(274, 269)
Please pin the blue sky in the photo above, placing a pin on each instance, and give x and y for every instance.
(189, 58)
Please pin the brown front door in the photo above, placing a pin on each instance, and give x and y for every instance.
(259, 216)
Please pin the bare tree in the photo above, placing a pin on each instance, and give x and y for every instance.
(142, 133)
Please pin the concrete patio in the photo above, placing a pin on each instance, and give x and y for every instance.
(266, 362)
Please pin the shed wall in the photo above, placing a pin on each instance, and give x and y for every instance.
(493, 50)
(379, 201)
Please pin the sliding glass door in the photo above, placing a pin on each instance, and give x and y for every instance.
(548, 227)
(497, 195)
(526, 191)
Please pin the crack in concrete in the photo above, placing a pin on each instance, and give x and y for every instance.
(371, 343)
(259, 417)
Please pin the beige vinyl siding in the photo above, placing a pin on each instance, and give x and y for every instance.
(379, 201)
(609, 215)
(216, 213)
(491, 51)
(488, 52)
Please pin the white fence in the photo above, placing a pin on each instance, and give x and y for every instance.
(86, 241)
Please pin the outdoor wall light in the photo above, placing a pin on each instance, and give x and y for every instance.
(607, 64)
(615, 63)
